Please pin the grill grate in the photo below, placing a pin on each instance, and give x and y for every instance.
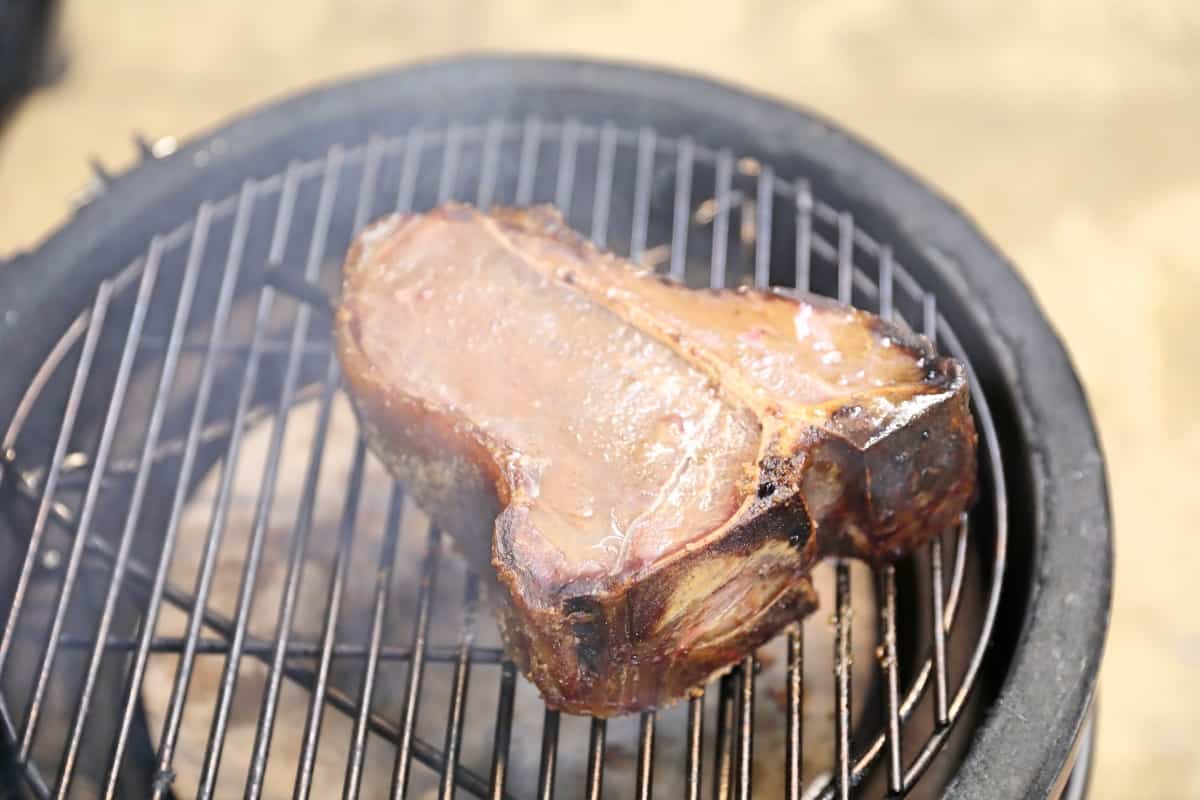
(752, 224)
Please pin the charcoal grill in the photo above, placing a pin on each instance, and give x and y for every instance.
(186, 305)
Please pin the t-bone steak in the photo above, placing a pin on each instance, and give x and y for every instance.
(650, 471)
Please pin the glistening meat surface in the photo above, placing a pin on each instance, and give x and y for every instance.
(649, 471)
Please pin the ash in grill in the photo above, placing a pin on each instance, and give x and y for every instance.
(216, 589)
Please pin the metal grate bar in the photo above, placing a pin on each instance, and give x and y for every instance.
(794, 753)
(887, 284)
(595, 767)
(490, 165)
(887, 635)
(957, 575)
(937, 581)
(726, 713)
(720, 225)
(270, 477)
(368, 182)
(804, 209)
(604, 180)
(460, 683)
(841, 671)
(604, 183)
(940, 678)
(549, 759)
(291, 591)
(845, 258)
(720, 221)
(383, 582)
(762, 244)
(157, 344)
(695, 741)
(531, 137)
(643, 183)
(116, 404)
(745, 733)
(823, 247)
(333, 606)
(450, 154)
(503, 736)
(410, 166)
(262, 648)
(565, 186)
(645, 763)
(416, 666)
(162, 393)
(682, 208)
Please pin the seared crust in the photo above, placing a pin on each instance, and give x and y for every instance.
(843, 478)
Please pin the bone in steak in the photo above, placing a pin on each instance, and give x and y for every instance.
(652, 471)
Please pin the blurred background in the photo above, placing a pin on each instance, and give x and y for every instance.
(1067, 129)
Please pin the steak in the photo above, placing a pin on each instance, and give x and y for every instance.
(650, 471)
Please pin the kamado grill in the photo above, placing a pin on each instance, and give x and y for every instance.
(209, 586)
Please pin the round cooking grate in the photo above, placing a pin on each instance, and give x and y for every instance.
(215, 588)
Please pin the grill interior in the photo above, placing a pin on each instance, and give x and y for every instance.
(147, 498)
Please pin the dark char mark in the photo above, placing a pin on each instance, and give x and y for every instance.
(585, 616)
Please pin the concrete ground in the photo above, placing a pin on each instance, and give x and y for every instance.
(1068, 129)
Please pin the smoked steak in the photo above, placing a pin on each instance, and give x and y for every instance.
(648, 471)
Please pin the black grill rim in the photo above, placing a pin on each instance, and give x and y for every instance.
(1033, 726)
